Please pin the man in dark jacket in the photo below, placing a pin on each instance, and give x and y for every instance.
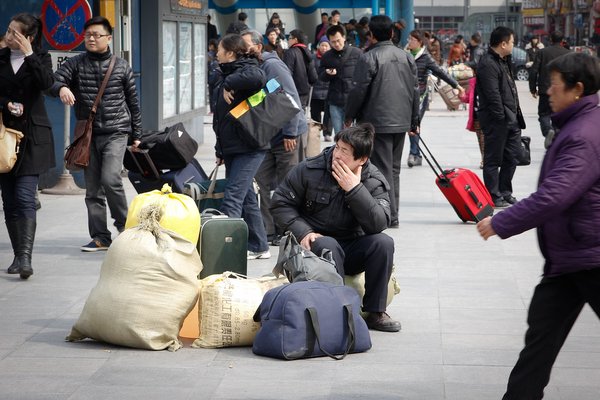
(299, 61)
(321, 29)
(117, 118)
(500, 116)
(386, 94)
(340, 202)
(539, 82)
(477, 51)
(239, 25)
(283, 154)
(337, 68)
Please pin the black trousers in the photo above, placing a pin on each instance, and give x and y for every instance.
(556, 304)
(499, 159)
(318, 106)
(373, 254)
(387, 157)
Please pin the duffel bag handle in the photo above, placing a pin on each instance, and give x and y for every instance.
(314, 322)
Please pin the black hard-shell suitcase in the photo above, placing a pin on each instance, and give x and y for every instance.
(147, 177)
(172, 148)
(223, 244)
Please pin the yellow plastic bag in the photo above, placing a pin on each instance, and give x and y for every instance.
(180, 213)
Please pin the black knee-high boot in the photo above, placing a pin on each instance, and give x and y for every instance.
(12, 228)
(26, 236)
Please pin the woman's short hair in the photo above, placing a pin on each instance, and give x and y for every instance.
(235, 43)
(578, 67)
(361, 137)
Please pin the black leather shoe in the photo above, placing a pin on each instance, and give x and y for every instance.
(510, 199)
(381, 321)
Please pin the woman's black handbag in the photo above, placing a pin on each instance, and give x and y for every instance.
(263, 114)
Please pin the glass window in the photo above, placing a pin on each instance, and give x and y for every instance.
(199, 65)
(169, 69)
(185, 66)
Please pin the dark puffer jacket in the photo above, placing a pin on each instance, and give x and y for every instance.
(310, 200)
(426, 63)
(497, 92)
(299, 61)
(244, 78)
(119, 109)
(340, 84)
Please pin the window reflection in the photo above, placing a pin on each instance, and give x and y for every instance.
(169, 68)
(185, 66)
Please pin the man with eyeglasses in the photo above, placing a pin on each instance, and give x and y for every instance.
(500, 116)
(337, 67)
(118, 119)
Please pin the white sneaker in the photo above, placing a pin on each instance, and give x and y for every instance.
(259, 254)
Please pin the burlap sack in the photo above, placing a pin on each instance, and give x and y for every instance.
(227, 304)
(358, 283)
(148, 284)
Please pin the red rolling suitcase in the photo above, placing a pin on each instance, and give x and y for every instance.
(462, 188)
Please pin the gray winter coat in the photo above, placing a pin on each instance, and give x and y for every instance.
(386, 90)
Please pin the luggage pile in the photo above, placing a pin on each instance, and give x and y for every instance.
(175, 272)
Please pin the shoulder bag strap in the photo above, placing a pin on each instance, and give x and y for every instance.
(111, 66)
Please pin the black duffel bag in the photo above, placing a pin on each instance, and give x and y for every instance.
(172, 148)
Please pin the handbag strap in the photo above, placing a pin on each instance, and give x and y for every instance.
(111, 66)
(314, 322)
(213, 181)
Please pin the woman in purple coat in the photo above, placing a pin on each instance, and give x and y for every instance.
(566, 211)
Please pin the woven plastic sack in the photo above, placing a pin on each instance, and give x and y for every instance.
(358, 283)
(180, 213)
(226, 306)
(148, 284)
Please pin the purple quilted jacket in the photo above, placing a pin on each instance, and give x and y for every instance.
(566, 206)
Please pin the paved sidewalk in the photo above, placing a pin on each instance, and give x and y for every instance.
(462, 306)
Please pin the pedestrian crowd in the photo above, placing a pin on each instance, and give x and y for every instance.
(367, 92)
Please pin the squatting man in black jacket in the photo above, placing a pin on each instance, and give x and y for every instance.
(117, 118)
(340, 201)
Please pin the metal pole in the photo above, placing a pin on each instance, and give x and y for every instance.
(432, 17)
(65, 185)
(505, 12)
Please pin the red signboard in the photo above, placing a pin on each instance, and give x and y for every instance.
(63, 22)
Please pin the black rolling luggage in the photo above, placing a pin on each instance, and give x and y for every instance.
(146, 176)
(172, 148)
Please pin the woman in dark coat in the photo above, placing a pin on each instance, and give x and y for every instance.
(241, 77)
(25, 71)
(565, 211)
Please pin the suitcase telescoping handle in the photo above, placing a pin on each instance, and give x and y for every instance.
(143, 152)
(428, 152)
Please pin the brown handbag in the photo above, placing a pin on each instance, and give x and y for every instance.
(77, 155)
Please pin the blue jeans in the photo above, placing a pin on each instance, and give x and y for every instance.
(18, 196)
(240, 199)
(337, 114)
(103, 184)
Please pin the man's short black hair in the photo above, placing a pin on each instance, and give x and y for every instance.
(360, 137)
(242, 16)
(476, 37)
(499, 35)
(381, 27)
(334, 13)
(98, 20)
(324, 15)
(333, 29)
(557, 37)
